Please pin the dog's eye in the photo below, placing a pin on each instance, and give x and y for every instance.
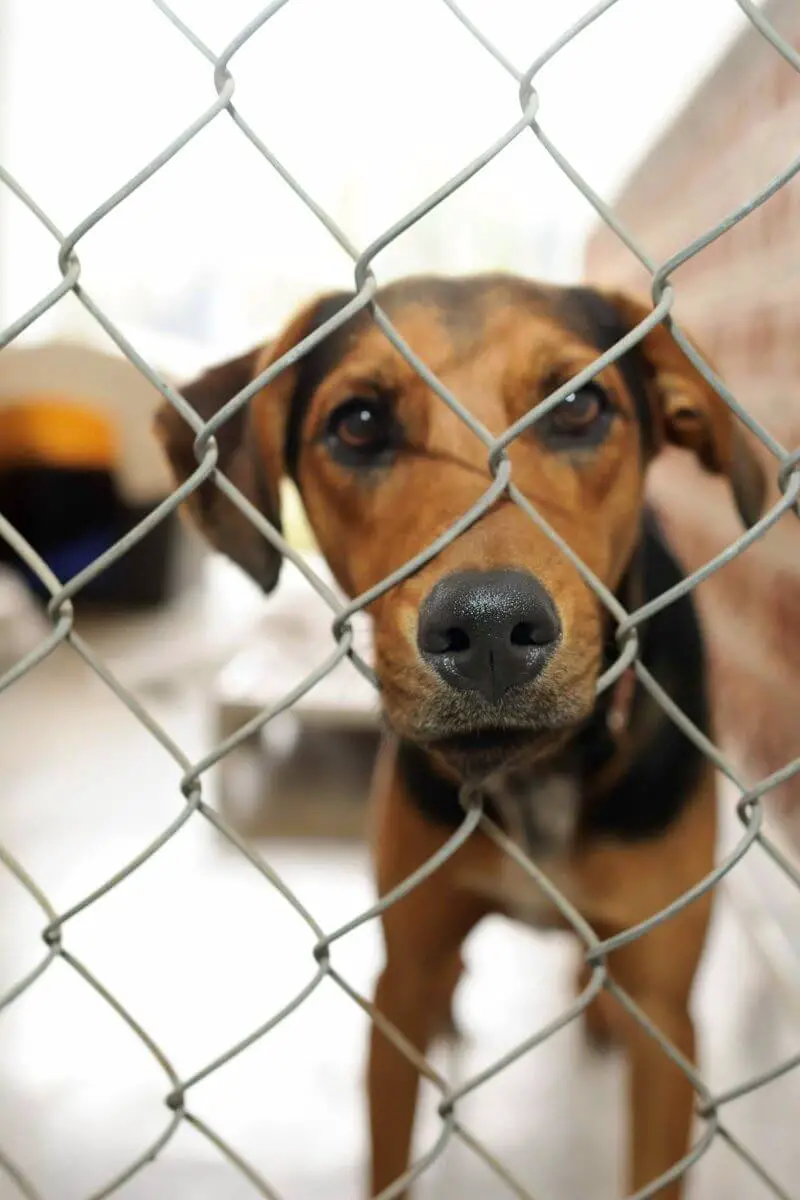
(362, 431)
(581, 419)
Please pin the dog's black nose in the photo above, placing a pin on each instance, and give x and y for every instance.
(488, 631)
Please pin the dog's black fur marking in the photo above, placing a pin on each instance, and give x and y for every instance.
(314, 366)
(591, 316)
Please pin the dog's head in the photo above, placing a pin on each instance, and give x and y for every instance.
(495, 646)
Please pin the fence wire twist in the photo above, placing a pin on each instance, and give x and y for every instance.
(750, 808)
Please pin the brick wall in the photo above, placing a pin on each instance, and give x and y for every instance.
(740, 298)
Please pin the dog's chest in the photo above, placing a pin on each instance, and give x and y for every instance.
(540, 818)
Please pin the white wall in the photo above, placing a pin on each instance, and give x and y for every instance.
(372, 104)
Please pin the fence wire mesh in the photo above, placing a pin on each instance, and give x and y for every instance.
(322, 964)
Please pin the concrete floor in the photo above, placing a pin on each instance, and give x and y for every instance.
(201, 950)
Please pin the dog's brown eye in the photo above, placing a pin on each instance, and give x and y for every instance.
(578, 410)
(360, 428)
(362, 432)
(581, 419)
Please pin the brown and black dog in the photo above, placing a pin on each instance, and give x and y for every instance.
(488, 656)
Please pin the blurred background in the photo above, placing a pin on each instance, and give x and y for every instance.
(676, 112)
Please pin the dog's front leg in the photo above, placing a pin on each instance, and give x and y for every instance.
(657, 971)
(661, 1096)
(416, 1000)
(635, 882)
(423, 934)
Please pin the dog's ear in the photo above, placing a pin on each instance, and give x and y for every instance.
(689, 413)
(250, 446)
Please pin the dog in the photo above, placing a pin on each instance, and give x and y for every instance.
(488, 656)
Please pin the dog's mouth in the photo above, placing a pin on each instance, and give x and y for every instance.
(479, 741)
(475, 753)
(475, 737)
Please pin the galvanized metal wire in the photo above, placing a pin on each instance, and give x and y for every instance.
(191, 805)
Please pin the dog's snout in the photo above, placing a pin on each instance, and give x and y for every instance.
(488, 631)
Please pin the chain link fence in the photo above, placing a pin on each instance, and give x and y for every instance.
(193, 807)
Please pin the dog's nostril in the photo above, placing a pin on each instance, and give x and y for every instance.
(526, 634)
(446, 641)
(455, 639)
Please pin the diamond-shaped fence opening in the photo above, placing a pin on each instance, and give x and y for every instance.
(193, 807)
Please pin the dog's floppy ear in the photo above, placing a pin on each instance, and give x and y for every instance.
(250, 446)
(689, 412)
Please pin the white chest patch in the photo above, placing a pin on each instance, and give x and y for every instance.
(540, 816)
